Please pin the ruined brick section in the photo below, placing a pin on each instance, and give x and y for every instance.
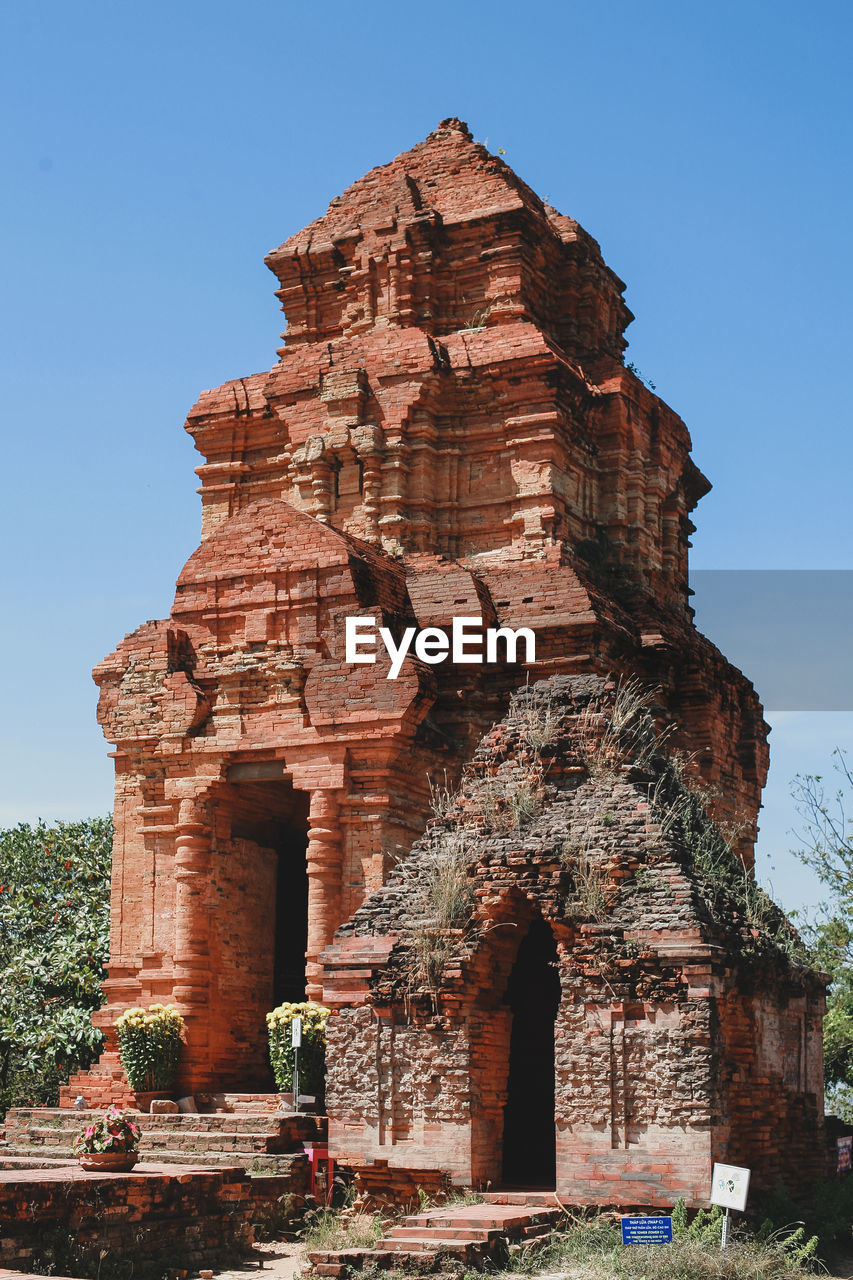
(450, 430)
(684, 1033)
(153, 1220)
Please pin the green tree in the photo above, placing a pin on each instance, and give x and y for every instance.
(827, 849)
(54, 938)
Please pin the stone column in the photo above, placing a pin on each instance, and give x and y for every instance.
(192, 875)
(191, 989)
(367, 443)
(324, 885)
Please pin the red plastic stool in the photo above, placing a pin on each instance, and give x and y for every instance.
(321, 1178)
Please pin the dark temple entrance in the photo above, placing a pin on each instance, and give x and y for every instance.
(291, 914)
(263, 911)
(533, 994)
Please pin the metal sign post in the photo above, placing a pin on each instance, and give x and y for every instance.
(724, 1238)
(296, 1042)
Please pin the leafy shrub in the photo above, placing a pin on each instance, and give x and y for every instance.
(149, 1043)
(312, 1054)
(54, 936)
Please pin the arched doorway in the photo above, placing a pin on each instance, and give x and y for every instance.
(533, 995)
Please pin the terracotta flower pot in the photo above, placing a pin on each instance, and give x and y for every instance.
(108, 1161)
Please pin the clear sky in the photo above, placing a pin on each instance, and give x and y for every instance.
(153, 153)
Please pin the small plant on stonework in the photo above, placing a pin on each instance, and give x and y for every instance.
(589, 882)
(149, 1042)
(632, 368)
(312, 1054)
(442, 899)
(332, 1229)
(441, 799)
(605, 740)
(478, 318)
(539, 719)
(114, 1131)
(644, 878)
(506, 803)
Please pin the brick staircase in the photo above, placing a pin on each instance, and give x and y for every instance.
(244, 1130)
(473, 1234)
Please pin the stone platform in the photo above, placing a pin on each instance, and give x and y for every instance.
(255, 1138)
(62, 1219)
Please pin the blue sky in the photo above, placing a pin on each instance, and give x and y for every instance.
(153, 154)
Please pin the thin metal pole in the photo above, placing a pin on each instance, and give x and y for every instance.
(724, 1240)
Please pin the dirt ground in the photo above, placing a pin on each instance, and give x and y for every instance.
(275, 1260)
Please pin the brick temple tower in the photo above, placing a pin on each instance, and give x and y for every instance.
(450, 430)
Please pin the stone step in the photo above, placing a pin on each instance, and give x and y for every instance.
(152, 1139)
(482, 1235)
(43, 1129)
(506, 1219)
(547, 1199)
(252, 1162)
(473, 1234)
(259, 1162)
(307, 1126)
(341, 1264)
(235, 1103)
(466, 1250)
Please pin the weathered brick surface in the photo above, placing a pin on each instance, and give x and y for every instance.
(684, 1034)
(154, 1220)
(450, 430)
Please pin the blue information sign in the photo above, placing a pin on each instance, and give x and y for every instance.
(647, 1230)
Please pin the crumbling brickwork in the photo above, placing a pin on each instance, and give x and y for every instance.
(450, 430)
(688, 1022)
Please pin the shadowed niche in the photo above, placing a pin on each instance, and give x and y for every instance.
(533, 995)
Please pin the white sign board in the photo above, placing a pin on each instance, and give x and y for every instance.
(729, 1186)
(296, 1033)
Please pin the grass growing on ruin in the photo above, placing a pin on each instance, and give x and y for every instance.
(615, 740)
(334, 1229)
(439, 887)
(442, 899)
(682, 811)
(603, 1257)
(590, 894)
(623, 735)
(590, 1248)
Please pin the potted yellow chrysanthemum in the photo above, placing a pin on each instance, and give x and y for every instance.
(149, 1042)
(312, 1054)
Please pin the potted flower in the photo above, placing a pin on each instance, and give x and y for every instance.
(110, 1143)
(312, 1054)
(149, 1044)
